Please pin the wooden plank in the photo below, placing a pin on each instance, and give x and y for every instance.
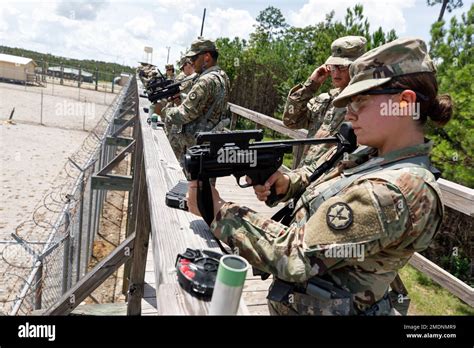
(118, 141)
(443, 278)
(136, 162)
(268, 122)
(258, 309)
(125, 125)
(112, 182)
(142, 228)
(173, 300)
(257, 285)
(121, 155)
(120, 121)
(458, 197)
(255, 297)
(172, 230)
(233, 121)
(104, 269)
(101, 309)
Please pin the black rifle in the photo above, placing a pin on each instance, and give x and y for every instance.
(211, 157)
(163, 89)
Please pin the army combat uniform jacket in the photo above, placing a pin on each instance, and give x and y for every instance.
(356, 240)
(317, 114)
(203, 107)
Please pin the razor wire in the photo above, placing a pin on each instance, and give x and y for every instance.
(51, 250)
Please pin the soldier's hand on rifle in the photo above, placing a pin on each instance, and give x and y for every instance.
(176, 99)
(191, 197)
(320, 74)
(280, 180)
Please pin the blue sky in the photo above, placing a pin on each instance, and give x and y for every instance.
(118, 30)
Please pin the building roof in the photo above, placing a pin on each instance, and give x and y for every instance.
(70, 71)
(15, 59)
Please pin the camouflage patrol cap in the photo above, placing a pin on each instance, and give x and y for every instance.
(346, 49)
(169, 67)
(201, 45)
(378, 66)
(183, 61)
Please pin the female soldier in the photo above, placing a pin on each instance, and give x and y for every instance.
(356, 226)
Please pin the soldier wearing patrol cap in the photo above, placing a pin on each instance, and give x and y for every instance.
(170, 72)
(317, 114)
(205, 107)
(174, 132)
(357, 225)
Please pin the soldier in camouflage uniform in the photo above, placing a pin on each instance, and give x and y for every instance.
(381, 200)
(206, 103)
(170, 72)
(173, 131)
(317, 114)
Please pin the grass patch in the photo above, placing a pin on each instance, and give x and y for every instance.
(429, 298)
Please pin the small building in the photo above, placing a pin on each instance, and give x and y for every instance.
(14, 68)
(70, 73)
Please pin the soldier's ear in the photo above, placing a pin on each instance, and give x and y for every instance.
(407, 97)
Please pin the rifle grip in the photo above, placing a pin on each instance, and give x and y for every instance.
(273, 198)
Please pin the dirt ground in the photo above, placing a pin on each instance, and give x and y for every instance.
(33, 162)
(111, 233)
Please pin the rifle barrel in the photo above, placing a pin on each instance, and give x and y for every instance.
(294, 142)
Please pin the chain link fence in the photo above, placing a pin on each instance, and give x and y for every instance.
(64, 225)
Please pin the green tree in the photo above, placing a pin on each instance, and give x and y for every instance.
(445, 4)
(452, 50)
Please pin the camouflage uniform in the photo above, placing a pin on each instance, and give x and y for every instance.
(205, 104)
(388, 207)
(172, 76)
(317, 114)
(174, 131)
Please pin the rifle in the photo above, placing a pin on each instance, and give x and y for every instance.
(163, 88)
(223, 154)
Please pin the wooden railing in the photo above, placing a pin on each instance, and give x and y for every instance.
(455, 196)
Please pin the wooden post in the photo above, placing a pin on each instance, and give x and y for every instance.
(233, 122)
(297, 156)
(142, 230)
(137, 158)
(113, 80)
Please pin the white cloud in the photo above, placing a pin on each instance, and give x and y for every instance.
(141, 26)
(387, 14)
(116, 30)
(80, 9)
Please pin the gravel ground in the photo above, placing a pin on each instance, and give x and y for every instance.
(33, 160)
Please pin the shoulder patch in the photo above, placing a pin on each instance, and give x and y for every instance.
(192, 95)
(339, 216)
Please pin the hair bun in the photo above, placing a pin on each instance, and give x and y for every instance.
(441, 110)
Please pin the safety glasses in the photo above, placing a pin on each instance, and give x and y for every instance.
(333, 68)
(362, 98)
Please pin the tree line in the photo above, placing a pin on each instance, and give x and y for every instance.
(278, 56)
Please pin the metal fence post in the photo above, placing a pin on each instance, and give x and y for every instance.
(79, 237)
(66, 248)
(39, 285)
